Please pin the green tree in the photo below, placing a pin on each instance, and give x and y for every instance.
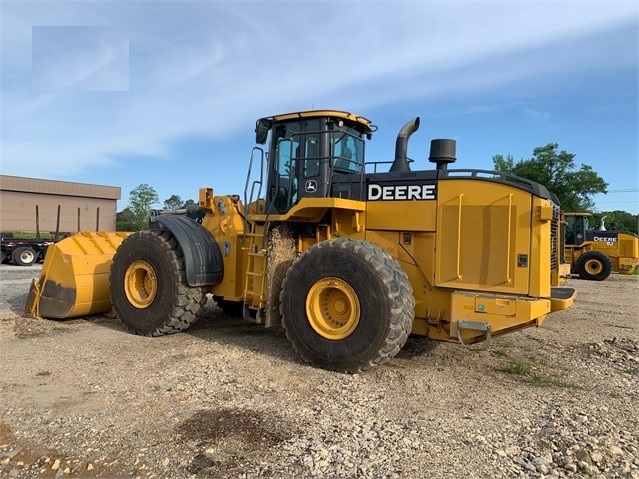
(173, 203)
(124, 220)
(556, 171)
(188, 203)
(620, 220)
(141, 199)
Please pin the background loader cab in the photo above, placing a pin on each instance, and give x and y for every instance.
(594, 252)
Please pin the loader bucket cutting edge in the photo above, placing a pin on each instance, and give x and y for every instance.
(74, 280)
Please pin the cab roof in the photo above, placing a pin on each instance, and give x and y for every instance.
(362, 122)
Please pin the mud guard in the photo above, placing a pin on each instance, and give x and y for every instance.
(202, 255)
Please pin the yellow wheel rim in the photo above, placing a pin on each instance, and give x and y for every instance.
(140, 284)
(593, 266)
(332, 308)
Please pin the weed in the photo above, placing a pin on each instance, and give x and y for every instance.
(520, 368)
(500, 352)
(537, 379)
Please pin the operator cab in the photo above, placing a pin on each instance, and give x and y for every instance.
(576, 227)
(579, 230)
(307, 149)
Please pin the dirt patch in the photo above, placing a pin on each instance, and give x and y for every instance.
(26, 328)
(215, 426)
(229, 439)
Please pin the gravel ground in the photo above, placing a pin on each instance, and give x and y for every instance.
(83, 398)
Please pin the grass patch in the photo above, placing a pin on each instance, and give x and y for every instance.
(537, 378)
(520, 368)
(502, 351)
(45, 235)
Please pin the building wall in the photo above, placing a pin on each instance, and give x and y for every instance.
(82, 206)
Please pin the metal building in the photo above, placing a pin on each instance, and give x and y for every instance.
(31, 204)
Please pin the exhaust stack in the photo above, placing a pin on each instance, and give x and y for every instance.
(401, 146)
(602, 227)
(442, 152)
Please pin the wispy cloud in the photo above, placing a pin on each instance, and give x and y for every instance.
(80, 59)
(210, 68)
(537, 114)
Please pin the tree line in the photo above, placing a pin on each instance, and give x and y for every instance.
(135, 217)
(574, 188)
(556, 170)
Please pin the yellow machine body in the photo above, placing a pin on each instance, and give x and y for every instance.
(74, 280)
(479, 250)
(459, 253)
(594, 252)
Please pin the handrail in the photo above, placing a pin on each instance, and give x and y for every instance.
(510, 207)
(256, 183)
(459, 216)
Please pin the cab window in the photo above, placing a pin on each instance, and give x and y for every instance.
(347, 150)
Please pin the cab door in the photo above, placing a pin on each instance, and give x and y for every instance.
(299, 164)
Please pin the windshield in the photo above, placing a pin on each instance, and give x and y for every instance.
(305, 154)
(346, 150)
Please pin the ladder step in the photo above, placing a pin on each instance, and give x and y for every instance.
(475, 325)
(252, 273)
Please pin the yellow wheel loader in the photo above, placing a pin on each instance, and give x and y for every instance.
(594, 252)
(347, 258)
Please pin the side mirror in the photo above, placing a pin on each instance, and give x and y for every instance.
(261, 131)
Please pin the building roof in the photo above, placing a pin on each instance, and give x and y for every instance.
(63, 188)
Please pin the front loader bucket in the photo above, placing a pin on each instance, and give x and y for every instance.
(74, 280)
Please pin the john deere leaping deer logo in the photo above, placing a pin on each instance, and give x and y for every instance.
(310, 186)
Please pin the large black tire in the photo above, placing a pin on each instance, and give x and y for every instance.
(148, 285)
(347, 305)
(24, 256)
(594, 265)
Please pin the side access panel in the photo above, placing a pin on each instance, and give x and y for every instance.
(483, 237)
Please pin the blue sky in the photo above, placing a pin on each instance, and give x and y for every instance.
(167, 93)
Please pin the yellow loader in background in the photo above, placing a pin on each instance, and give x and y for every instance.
(350, 260)
(594, 252)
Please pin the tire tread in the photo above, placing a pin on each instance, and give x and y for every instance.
(605, 260)
(188, 300)
(400, 294)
